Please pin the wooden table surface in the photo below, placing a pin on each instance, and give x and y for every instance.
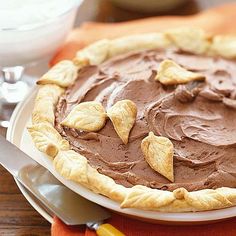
(17, 217)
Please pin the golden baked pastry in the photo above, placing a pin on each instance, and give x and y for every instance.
(86, 116)
(123, 115)
(146, 120)
(158, 152)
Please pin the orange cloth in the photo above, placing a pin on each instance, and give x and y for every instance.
(219, 20)
(132, 227)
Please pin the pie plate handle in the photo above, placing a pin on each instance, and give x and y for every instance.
(108, 230)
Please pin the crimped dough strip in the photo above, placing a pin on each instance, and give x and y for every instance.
(180, 200)
(75, 167)
(188, 39)
(45, 102)
(47, 139)
(224, 46)
(138, 42)
(62, 74)
(94, 54)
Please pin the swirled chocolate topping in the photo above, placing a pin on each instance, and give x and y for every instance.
(198, 117)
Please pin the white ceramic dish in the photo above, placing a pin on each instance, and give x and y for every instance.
(28, 43)
(18, 135)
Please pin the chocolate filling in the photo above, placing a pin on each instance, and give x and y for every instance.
(198, 117)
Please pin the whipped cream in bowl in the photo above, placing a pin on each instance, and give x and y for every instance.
(33, 29)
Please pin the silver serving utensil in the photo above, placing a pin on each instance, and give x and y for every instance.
(58, 200)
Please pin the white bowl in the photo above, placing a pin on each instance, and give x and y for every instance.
(23, 45)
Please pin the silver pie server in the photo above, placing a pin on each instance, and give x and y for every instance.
(57, 199)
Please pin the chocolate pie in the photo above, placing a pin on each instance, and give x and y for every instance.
(146, 120)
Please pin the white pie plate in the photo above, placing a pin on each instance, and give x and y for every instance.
(18, 135)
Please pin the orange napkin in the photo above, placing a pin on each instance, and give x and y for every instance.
(132, 227)
(219, 20)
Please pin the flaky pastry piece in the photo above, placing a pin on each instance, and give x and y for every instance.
(94, 54)
(75, 167)
(63, 74)
(170, 73)
(224, 46)
(189, 39)
(180, 200)
(72, 165)
(102, 50)
(45, 102)
(158, 152)
(47, 139)
(86, 116)
(138, 42)
(123, 114)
